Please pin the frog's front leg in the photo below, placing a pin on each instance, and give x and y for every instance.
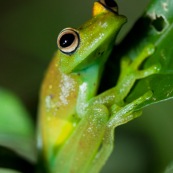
(130, 72)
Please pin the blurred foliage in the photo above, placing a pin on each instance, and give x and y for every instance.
(16, 127)
(169, 169)
(8, 171)
(28, 35)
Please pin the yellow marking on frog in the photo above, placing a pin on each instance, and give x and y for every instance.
(98, 9)
(65, 131)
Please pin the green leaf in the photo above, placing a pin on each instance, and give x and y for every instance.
(16, 127)
(156, 27)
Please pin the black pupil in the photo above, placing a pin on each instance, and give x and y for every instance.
(110, 3)
(66, 40)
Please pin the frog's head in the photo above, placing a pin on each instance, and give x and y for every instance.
(93, 41)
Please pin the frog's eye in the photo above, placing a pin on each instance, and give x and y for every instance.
(110, 4)
(68, 40)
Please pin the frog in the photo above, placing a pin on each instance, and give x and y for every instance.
(75, 125)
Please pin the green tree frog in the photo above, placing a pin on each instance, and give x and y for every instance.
(75, 129)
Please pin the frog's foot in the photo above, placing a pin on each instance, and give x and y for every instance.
(130, 72)
(147, 51)
(128, 112)
(128, 67)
